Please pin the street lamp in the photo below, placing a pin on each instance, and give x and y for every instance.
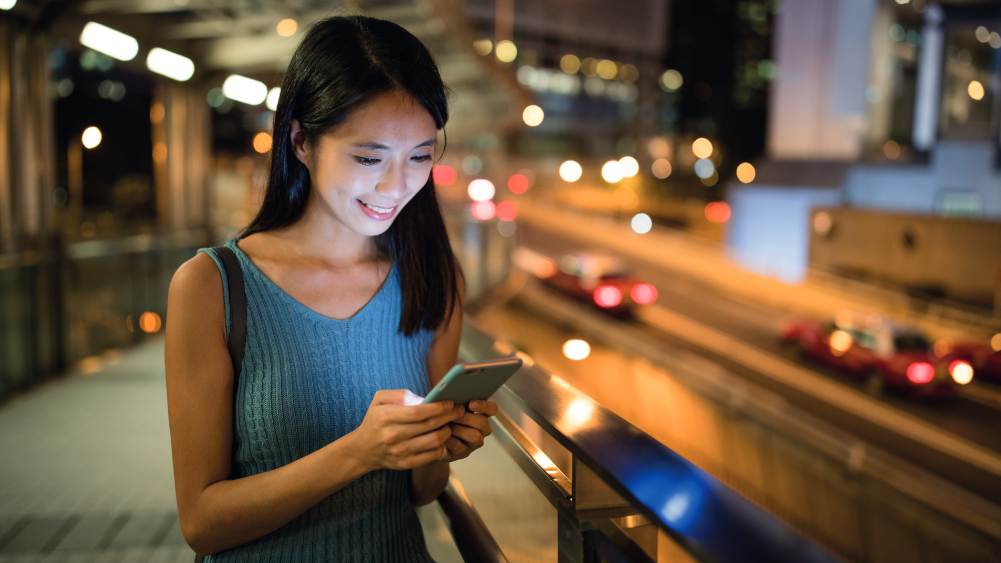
(90, 139)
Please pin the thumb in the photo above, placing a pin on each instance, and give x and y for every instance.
(390, 397)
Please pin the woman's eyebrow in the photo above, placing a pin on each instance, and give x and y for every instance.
(381, 147)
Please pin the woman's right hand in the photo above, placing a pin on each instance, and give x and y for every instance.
(398, 436)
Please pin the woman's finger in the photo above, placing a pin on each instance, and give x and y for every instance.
(470, 436)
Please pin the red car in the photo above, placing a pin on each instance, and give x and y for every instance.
(601, 280)
(883, 355)
(986, 361)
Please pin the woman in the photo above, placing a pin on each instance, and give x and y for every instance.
(353, 300)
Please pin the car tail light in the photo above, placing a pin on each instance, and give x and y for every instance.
(607, 296)
(961, 372)
(643, 293)
(920, 373)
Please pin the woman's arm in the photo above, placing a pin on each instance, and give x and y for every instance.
(218, 513)
(428, 482)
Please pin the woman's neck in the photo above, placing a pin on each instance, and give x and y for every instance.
(321, 237)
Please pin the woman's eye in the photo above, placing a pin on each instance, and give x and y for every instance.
(422, 158)
(367, 161)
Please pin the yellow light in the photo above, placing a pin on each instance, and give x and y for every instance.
(570, 64)
(996, 342)
(629, 73)
(975, 90)
(607, 69)
(91, 137)
(159, 152)
(571, 171)
(746, 172)
(671, 80)
(661, 168)
(840, 341)
(262, 142)
(156, 113)
(576, 349)
(506, 51)
(588, 66)
(483, 46)
(533, 115)
(702, 147)
(287, 27)
(629, 166)
(149, 322)
(611, 171)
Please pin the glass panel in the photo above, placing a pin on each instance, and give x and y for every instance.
(969, 80)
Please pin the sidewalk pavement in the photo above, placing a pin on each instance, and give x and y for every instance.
(86, 469)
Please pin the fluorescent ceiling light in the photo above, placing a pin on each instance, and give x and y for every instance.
(109, 41)
(169, 64)
(243, 89)
(272, 101)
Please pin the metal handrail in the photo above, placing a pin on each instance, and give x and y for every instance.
(700, 513)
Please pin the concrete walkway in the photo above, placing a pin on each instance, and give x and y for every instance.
(86, 469)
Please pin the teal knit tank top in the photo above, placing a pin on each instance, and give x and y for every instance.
(306, 380)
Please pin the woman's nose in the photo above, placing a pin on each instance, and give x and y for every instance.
(393, 182)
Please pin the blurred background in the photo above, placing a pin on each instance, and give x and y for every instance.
(749, 249)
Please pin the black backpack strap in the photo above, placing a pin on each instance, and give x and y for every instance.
(237, 308)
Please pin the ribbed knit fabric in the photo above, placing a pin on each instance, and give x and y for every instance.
(306, 380)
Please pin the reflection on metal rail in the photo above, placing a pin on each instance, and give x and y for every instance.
(617, 489)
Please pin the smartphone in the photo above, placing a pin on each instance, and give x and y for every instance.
(473, 381)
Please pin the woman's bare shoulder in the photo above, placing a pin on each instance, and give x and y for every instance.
(197, 284)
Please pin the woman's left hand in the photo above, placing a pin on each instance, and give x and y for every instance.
(469, 430)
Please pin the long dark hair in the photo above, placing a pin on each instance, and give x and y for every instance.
(342, 62)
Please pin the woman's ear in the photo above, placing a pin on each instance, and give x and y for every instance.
(299, 145)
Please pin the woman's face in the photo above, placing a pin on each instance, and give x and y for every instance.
(365, 170)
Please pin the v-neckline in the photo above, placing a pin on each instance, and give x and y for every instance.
(296, 302)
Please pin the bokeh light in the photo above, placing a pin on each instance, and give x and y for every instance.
(570, 64)
(571, 171)
(483, 210)
(287, 27)
(506, 51)
(91, 137)
(150, 323)
(507, 211)
(976, 90)
(629, 166)
(262, 142)
(533, 115)
(641, 223)
(518, 183)
(671, 80)
(481, 189)
(702, 147)
(576, 349)
(717, 212)
(746, 172)
(661, 168)
(444, 175)
(611, 171)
